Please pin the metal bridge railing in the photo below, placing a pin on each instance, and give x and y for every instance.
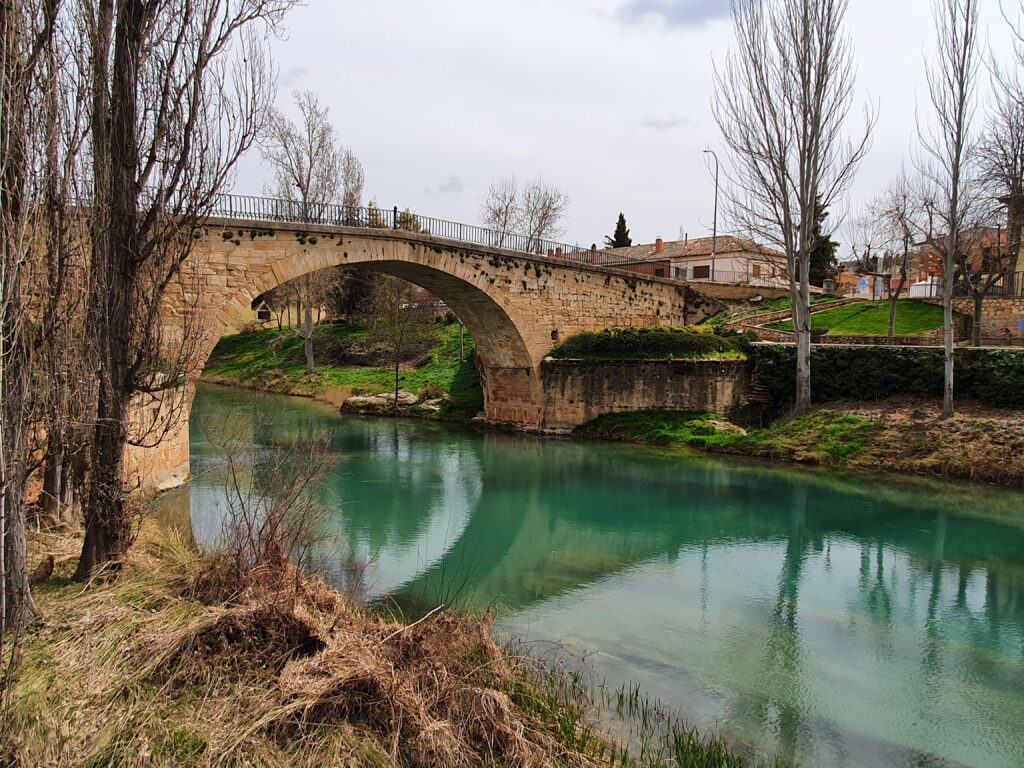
(331, 214)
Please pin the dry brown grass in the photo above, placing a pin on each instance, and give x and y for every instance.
(978, 443)
(166, 665)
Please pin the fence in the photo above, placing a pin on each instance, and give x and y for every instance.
(1008, 285)
(330, 214)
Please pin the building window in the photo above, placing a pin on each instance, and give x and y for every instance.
(702, 272)
(659, 272)
(755, 270)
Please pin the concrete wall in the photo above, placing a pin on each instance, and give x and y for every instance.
(577, 391)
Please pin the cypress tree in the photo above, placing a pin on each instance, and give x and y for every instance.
(621, 238)
(823, 257)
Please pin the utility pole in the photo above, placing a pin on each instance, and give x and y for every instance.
(714, 225)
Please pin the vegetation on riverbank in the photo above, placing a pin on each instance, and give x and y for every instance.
(172, 663)
(273, 361)
(866, 318)
(652, 343)
(897, 435)
(994, 377)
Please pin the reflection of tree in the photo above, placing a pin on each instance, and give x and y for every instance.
(776, 702)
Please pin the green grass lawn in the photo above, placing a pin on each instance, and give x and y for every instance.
(766, 307)
(273, 360)
(867, 318)
(830, 438)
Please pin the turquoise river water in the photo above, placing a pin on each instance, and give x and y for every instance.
(835, 621)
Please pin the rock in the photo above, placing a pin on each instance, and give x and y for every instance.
(432, 405)
(727, 427)
(383, 399)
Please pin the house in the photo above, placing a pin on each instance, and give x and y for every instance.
(986, 257)
(734, 260)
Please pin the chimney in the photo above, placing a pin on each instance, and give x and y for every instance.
(659, 246)
(686, 238)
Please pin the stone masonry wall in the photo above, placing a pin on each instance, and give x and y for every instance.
(577, 391)
(1000, 316)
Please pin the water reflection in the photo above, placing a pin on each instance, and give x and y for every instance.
(834, 622)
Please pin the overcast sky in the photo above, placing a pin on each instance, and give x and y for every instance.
(609, 99)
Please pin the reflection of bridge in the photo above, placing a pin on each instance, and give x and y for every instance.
(515, 299)
(542, 528)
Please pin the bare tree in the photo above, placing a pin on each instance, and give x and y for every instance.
(274, 513)
(180, 90)
(310, 293)
(948, 144)
(541, 212)
(500, 209)
(398, 323)
(25, 31)
(897, 211)
(352, 181)
(309, 165)
(534, 211)
(781, 102)
(1001, 149)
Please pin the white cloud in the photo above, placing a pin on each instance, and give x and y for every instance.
(674, 12)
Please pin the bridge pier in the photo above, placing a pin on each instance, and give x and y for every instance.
(513, 396)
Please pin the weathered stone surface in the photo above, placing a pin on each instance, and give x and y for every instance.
(385, 398)
(577, 391)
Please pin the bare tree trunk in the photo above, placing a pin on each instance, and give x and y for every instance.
(69, 499)
(893, 298)
(947, 319)
(107, 526)
(308, 343)
(53, 477)
(802, 330)
(979, 301)
(1015, 220)
(394, 405)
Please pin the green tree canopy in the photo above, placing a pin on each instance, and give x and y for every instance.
(621, 238)
(823, 257)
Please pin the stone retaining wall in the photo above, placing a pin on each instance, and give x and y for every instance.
(576, 391)
(1000, 315)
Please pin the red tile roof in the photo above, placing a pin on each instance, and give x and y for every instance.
(693, 248)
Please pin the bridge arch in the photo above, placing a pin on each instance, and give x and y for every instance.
(233, 271)
(516, 305)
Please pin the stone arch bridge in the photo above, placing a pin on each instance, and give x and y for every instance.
(517, 297)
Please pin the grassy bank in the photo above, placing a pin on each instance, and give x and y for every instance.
(273, 361)
(171, 664)
(866, 318)
(898, 435)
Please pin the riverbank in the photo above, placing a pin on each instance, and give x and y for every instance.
(348, 366)
(169, 664)
(899, 435)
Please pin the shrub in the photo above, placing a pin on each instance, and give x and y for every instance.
(994, 377)
(647, 344)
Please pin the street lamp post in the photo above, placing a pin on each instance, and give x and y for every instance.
(714, 225)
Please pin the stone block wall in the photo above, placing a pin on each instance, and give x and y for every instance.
(577, 391)
(1000, 315)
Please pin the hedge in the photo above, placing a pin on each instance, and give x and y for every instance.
(994, 377)
(647, 344)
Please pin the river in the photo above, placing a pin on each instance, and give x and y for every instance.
(832, 620)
